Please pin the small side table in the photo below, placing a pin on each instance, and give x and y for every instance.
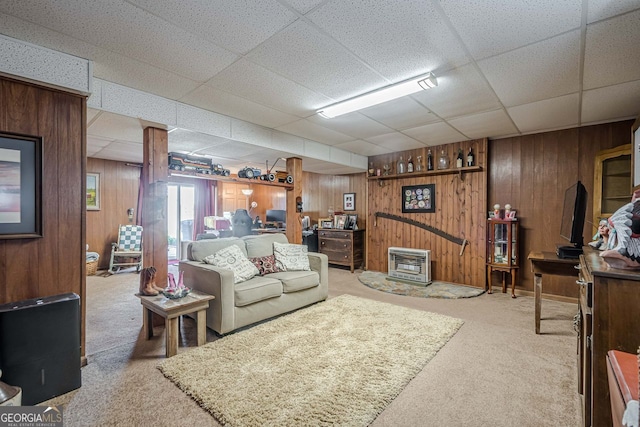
(170, 309)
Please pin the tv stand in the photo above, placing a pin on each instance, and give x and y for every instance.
(568, 252)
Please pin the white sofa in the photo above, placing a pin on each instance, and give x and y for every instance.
(261, 297)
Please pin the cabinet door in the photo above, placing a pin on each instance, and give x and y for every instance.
(611, 182)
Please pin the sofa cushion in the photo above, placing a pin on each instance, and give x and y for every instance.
(262, 245)
(291, 257)
(294, 281)
(235, 260)
(265, 264)
(256, 289)
(199, 250)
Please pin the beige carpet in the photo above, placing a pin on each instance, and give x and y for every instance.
(340, 362)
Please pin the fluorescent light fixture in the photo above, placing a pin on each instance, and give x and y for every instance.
(404, 88)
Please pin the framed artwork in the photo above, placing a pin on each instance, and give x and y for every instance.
(419, 198)
(339, 222)
(93, 191)
(352, 222)
(325, 223)
(20, 186)
(349, 202)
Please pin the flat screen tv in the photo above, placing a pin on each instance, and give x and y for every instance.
(277, 216)
(573, 218)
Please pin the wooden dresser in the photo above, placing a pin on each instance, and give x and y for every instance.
(608, 319)
(343, 247)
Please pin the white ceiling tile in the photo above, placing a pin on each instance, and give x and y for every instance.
(460, 92)
(354, 124)
(435, 134)
(316, 150)
(611, 102)
(286, 142)
(556, 113)
(134, 103)
(234, 106)
(303, 6)
(259, 85)
(492, 28)
(227, 23)
(121, 151)
(95, 99)
(250, 133)
(200, 120)
(401, 113)
(363, 148)
(339, 156)
(91, 114)
(543, 70)
(95, 144)
(314, 132)
(183, 140)
(302, 54)
(400, 39)
(611, 54)
(491, 124)
(396, 141)
(114, 126)
(602, 9)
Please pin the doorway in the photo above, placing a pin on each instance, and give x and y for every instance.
(180, 216)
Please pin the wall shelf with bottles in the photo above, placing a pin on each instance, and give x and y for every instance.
(233, 179)
(448, 171)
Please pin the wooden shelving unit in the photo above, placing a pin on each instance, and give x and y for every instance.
(449, 171)
(233, 179)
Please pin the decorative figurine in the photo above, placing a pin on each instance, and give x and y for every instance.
(623, 247)
(601, 238)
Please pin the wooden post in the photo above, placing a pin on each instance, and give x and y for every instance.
(294, 218)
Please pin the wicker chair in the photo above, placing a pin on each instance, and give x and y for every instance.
(128, 251)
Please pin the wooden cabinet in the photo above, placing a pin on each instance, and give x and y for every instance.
(502, 251)
(612, 181)
(343, 247)
(607, 320)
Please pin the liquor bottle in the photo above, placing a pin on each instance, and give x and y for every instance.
(443, 161)
(470, 159)
(419, 164)
(400, 168)
(371, 169)
(459, 161)
(429, 160)
(409, 165)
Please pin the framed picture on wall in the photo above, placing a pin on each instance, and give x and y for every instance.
(419, 198)
(20, 186)
(93, 191)
(349, 202)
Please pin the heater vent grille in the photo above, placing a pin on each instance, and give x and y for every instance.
(410, 264)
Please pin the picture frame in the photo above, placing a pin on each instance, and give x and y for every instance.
(352, 222)
(349, 202)
(325, 223)
(419, 198)
(93, 191)
(21, 169)
(339, 222)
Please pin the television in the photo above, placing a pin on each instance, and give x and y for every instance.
(277, 216)
(573, 219)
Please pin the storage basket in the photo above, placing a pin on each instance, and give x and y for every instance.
(92, 267)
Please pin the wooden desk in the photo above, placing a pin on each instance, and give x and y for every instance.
(548, 263)
(170, 309)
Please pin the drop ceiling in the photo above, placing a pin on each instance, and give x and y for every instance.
(504, 68)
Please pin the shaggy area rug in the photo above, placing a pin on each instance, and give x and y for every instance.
(436, 289)
(339, 362)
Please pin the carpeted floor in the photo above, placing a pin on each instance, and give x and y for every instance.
(339, 362)
(437, 289)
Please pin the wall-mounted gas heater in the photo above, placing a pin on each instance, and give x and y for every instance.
(410, 264)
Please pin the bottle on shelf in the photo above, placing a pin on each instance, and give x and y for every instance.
(409, 165)
(401, 167)
(470, 157)
(419, 164)
(459, 160)
(443, 162)
(429, 160)
(371, 169)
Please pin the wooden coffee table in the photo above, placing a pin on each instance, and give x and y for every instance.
(170, 309)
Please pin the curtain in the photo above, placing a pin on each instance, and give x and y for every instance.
(204, 204)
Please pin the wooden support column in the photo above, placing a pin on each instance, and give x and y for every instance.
(294, 196)
(154, 202)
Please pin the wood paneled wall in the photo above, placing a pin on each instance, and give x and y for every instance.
(460, 203)
(119, 192)
(532, 173)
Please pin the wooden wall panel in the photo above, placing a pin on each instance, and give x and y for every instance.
(532, 173)
(119, 192)
(460, 211)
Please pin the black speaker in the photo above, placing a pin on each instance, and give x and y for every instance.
(40, 346)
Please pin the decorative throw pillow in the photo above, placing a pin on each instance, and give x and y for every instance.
(291, 257)
(265, 264)
(233, 259)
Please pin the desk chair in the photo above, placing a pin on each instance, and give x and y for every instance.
(128, 251)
